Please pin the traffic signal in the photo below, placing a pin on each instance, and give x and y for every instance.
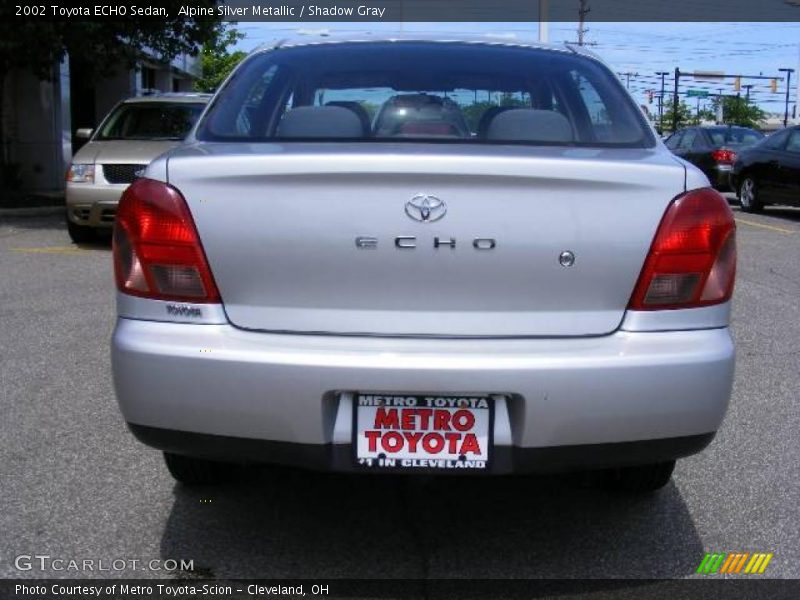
(737, 84)
(773, 85)
(649, 96)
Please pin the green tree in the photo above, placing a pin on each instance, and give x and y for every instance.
(706, 114)
(100, 46)
(509, 99)
(473, 112)
(686, 115)
(738, 111)
(217, 61)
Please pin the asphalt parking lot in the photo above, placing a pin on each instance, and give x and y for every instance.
(76, 485)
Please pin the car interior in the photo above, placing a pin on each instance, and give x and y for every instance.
(423, 116)
(454, 98)
(151, 121)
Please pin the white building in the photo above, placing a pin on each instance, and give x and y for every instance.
(774, 122)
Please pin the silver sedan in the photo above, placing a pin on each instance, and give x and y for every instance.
(424, 256)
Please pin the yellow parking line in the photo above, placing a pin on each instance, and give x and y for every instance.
(50, 250)
(770, 227)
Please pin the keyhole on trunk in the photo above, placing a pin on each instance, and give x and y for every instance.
(566, 258)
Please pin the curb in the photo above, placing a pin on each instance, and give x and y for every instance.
(32, 211)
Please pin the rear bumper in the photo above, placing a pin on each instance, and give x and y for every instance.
(218, 391)
(721, 178)
(339, 457)
(733, 181)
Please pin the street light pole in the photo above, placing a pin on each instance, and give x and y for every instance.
(675, 100)
(661, 101)
(788, 83)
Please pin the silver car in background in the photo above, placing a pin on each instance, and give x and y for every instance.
(424, 256)
(133, 133)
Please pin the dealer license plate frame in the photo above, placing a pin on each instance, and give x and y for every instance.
(375, 466)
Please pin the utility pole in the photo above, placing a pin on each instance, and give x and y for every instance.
(628, 76)
(697, 118)
(582, 12)
(675, 100)
(661, 113)
(661, 101)
(788, 83)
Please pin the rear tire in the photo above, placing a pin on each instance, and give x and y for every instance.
(641, 479)
(80, 234)
(189, 470)
(748, 195)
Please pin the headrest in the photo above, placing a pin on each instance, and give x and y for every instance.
(357, 108)
(487, 117)
(320, 122)
(528, 124)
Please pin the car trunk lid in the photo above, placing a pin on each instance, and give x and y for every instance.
(309, 238)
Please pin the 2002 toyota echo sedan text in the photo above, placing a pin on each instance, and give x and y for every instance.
(424, 256)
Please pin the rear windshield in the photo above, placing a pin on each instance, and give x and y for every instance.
(150, 121)
(425, 92)
(722, 136)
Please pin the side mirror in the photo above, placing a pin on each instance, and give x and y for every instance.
(84, 133)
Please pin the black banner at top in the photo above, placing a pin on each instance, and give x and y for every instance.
(486, 11)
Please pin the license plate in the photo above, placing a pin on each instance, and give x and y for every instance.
(430, 432)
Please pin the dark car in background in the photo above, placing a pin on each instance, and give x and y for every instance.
(769, 172)
(713, 149)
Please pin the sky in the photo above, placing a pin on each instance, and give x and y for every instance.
(641, 49)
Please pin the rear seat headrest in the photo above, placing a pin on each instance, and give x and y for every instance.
(530, 125)
(320, 122)
(487, 117)
(357, 108)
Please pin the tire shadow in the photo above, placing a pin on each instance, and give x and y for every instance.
(295, 524)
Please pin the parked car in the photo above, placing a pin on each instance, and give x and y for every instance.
(769, 172)
(133, 133)
(713, 149)
(549, 290)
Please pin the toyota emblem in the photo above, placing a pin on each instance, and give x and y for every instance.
(425, 208)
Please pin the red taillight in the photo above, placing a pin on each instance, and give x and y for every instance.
(724, 157)
(157, 252)
(692, 261)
